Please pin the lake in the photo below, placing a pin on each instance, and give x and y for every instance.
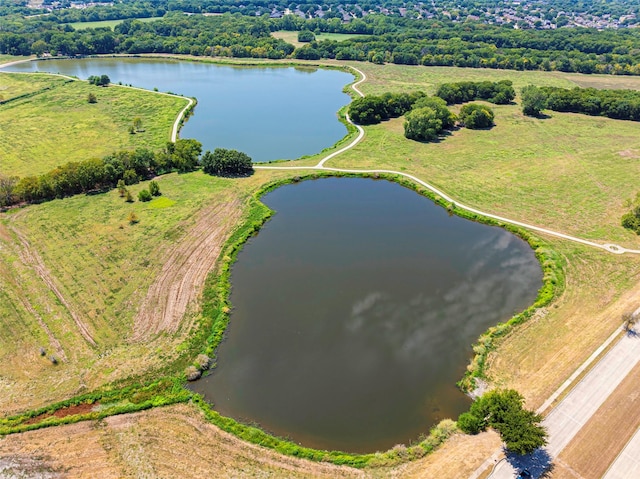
(354, 311)
(270, 113)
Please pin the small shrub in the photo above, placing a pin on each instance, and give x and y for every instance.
(144, 195)
(192, 373)
(53, 360)
(43, 352)
(203, 362)
(154, 188)
(132, 218)
(91, 98)
(128, 197)
(122, 189)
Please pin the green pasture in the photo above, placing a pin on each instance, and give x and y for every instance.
(59, 125)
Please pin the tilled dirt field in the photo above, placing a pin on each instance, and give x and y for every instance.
(182, 277)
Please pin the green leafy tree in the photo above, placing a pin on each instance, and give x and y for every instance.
(137, 124)
(306, 36)
(476, 116)
(91, 98)
(130, 177)
(533, 100)
(154, 188)
(422, 124)
(185, 153)
(223, 162)
(102, 80)
(128, 197)
(122, 189)
(502, 410)
(439, 106)
(144, 195)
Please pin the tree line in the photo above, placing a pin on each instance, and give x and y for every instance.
(616, 104)
(500, 92)
(385, 39)
(373, 109)
(123, 168)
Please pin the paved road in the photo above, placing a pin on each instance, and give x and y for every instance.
(568, 417)
(627, 464)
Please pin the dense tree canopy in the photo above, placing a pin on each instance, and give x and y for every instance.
(503, 410)
(224, 162)
(385, 38)
(500, 92)
(476, 116)
(121, 168)
(533, 100)
(422, 124)
(373, 109)
(617, 104)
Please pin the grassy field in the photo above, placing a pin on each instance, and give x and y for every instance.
(13, 85)
(103, 266)
(568, 172)
(394, 78)
(59, 125)
(10, 58)
(107, 23)
(292, 37)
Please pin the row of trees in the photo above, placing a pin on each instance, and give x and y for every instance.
(120, 170)
(387, 39)
(617, 104)
(373, 109)
(430, 117)
(500, 92)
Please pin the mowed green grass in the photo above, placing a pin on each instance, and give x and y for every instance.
(292, 37)
(59, 125)
(103, 267)
(14, 85)
(107, 23)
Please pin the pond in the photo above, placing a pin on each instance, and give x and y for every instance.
(354, 310)
(270, 113)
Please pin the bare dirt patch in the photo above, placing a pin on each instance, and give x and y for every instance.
(601, 439)
(183, 275)
(630, 153)
(64, 412)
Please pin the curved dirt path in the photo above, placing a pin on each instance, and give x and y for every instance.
(31, 257)
(609, 247)
(184, 272)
